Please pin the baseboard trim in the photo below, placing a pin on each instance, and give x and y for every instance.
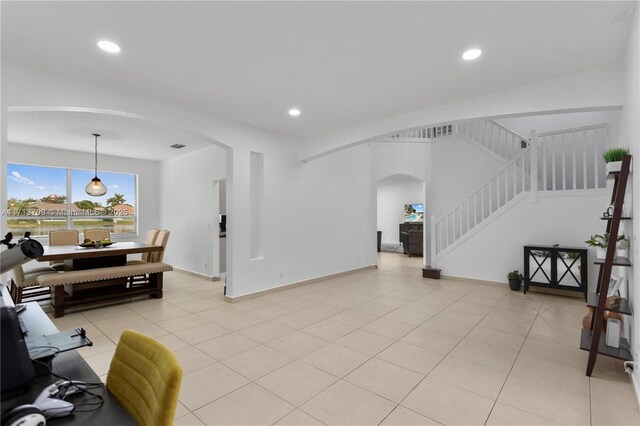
(555, 292)
(636, 388)
(471, 280)
(235, 299)
(197, 274)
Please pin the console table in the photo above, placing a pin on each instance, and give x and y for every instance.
(405, 227)
(556, 267)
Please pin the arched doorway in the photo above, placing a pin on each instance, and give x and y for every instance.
(400, 206)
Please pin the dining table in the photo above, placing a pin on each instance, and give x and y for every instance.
(114, 285)
(76, 257)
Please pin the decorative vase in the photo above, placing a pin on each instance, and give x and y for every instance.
(614, 166)
(515, 284)
(586, 321)
(622, 252)
(601, 253)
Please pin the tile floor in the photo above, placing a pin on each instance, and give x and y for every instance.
(375, 347)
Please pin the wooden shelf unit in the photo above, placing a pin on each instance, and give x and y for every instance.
(619, 261)
(622, 308)
(622, 352)
(611, 218)
(593, 340)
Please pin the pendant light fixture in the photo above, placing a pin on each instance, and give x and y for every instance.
(95, 188)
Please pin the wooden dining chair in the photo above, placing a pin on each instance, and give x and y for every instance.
(62, 237)
(97, 234)
(151, 240)
(24, 285)
(158, 238)
(161, 240)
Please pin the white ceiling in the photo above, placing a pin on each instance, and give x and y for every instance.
(120, 136)
(341, 63)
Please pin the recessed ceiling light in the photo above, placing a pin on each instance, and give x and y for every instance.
(294, 112)
(109, 46)
(471, 54)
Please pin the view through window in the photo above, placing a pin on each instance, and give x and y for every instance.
(40, 199)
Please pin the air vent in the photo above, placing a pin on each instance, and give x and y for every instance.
(177, 146)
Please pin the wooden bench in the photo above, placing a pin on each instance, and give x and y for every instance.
(102, 284)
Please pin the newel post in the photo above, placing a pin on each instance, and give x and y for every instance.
(434, 238)
(533, 153)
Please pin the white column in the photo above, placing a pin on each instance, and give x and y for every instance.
(428, 236)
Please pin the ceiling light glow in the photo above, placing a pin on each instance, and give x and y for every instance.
(471, 54)
(109, 46)
(294, 112)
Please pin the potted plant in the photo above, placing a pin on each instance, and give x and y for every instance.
(515, 279)
(601, 242)
(622, 248)
(613, 157)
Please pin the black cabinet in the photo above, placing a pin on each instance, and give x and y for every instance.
(561, 268)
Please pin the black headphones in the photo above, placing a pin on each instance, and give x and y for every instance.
(24, 415)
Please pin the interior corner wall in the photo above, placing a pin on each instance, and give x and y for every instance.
(186, 205)
(497, 248)
(393, 193)
(147, 171)
(630, 136)
(334, 215)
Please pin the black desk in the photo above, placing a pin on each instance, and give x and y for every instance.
(68, 364)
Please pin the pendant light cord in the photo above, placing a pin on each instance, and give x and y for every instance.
(96, 154)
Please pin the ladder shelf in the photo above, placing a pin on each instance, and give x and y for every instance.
(593, 340)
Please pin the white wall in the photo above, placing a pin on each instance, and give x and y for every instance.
(389, 159)
(630, 136)
(459, 168)
(147, 171)
(498, 247)
(595, 88)
(187, 208)
(333, 218)
(393, 193)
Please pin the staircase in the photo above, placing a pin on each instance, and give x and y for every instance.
(564, 160)
(495, 138)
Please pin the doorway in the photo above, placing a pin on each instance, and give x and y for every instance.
(400, 209)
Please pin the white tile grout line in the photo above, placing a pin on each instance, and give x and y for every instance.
(372, 300)
(514, 363)
(436, 366)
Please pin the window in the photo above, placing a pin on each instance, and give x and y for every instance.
(44, 198)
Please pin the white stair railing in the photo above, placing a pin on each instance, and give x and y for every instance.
(494, 137)
(507, 183)
(572, 158)
(569, 159)
(423, 134)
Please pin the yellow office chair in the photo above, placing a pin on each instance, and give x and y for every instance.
(145, 377)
